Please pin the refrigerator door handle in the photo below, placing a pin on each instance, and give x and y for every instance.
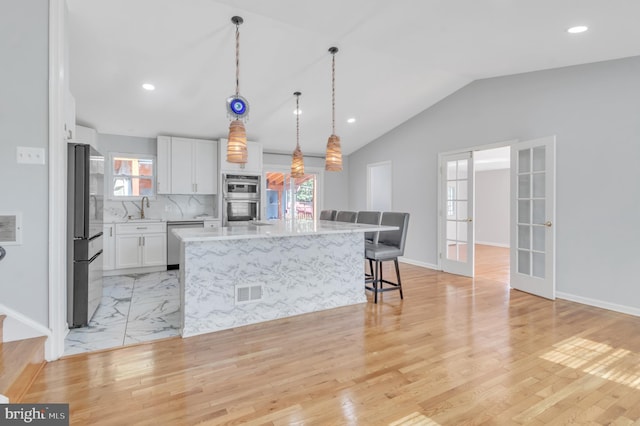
(98, 235)
(95, 256)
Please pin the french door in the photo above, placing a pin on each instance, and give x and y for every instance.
(288, 198)
(457, 242)
(533, 217)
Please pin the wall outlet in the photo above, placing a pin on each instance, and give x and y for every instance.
(27, 155)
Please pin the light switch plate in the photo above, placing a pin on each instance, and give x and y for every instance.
(27, 155)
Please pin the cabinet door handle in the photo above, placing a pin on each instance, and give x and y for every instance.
(196, 187)
(139, 241)
(141, 227)
(111, 232)
(143, 241)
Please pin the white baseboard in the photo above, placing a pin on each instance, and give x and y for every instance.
(3, 399)
(630, 310)
(487, 243)
(18, 326)
(418, 263)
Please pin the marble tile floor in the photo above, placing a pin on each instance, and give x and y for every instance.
(134, 308)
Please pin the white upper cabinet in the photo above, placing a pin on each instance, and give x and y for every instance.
(163, 165)
(87, 136)
(254, 160)
(187, 166)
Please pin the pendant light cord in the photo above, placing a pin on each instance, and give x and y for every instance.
(333, 94)
(237, 59)
(297, 121)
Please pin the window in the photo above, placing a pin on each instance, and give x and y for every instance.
(132, 175)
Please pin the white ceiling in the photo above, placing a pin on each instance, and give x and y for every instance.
(396, 59)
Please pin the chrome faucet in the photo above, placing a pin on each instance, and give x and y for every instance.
(142, 206)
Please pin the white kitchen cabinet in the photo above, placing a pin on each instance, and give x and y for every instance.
(87, 136)
(108, 247)
(212, 224)
(187, 166)
(254, 159)
(163, 165)
(140, 244)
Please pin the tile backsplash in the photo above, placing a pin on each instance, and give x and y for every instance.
(166, 207)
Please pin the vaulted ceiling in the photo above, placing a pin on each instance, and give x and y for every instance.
(396, 59)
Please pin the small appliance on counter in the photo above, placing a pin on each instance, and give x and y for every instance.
(241, 202)
(85, 201)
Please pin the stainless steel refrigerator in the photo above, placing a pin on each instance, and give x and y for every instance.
(85, 204)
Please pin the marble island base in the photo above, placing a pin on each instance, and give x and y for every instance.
(227, 283)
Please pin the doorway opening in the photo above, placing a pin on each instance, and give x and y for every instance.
(531, 217)
(492, 168)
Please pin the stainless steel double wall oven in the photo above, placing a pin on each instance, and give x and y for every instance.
(241, 202)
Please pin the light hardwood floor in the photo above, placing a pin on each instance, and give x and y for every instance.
(455, 351)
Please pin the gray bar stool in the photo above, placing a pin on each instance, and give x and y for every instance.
(390, 245)
(328, 215)
(346, 216)
(370, 238)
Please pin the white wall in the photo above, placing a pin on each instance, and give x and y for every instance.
(336, 187)
(24, 121)
(492, 207)
(592, 109)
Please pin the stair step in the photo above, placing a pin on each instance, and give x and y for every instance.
(20, 363)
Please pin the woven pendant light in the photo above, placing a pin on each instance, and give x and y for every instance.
(238, 110)
(333, 159)
(297, 162)
(237, 144)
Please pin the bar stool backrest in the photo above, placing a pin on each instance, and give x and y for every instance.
(394, 238)
(370, 218)
(346, 216)
(328, 215)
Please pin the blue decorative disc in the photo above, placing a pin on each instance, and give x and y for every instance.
(237, 106)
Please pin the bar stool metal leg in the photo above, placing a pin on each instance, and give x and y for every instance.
(398, 276)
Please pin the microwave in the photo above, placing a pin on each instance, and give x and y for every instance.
(241, 186)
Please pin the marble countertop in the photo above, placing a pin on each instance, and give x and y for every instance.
(276, 228)
(149, 220)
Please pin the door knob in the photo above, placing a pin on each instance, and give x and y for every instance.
(469, 220)
(548, 224)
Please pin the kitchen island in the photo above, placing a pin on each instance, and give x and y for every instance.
(239, 275)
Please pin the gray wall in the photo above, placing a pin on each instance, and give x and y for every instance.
(126, 144)
(336, 184)
(592, 109)
(492, 207)
(24, 121)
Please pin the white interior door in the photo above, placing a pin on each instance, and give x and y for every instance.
(379, 194)
(533, 216)
(457, 240)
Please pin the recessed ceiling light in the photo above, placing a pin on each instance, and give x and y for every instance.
(297, 111)
(148, 86)
(578, 29)
(351, 120)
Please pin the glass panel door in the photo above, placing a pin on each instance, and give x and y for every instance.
(532, 235)
(457, 192)
(287, 197)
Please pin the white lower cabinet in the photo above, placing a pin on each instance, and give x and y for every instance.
(109, 247)
(140, 245)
